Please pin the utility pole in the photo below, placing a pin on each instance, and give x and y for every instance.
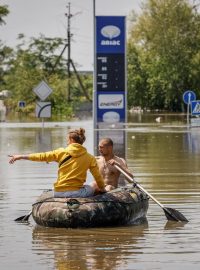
(69, 60)
(68, 15)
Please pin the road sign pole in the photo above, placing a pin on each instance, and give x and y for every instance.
(188, 108)
(188, 114)
(42, 123)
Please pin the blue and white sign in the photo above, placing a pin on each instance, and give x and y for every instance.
(110, 34)
(110, 77)
(111, 107)
(111, 101)
(189, 96)
(195, 107)
(21, 104)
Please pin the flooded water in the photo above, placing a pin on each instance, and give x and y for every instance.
(165, 159)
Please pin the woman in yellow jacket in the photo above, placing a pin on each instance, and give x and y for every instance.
(73, 163)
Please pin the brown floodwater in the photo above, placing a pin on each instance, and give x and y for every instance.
(164, 157)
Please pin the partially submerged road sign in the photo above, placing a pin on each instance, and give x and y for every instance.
(189, 96)
(195, 107)
(195, 122)
(42, 90)
(21, 104)
(43, 109)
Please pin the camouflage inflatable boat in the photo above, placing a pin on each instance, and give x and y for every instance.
(119, 207)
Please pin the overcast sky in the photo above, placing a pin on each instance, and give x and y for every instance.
(32, 17)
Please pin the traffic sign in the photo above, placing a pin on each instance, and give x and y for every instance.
(189, 96)
(195, 122)
(42, 90)
(22, 104)
(43, 109)
(195, 107)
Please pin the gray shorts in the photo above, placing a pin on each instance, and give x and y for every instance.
(85, 191)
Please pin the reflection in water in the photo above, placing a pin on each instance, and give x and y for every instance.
(43, 140)
(162, 162)
(90, 248)
(173, 225)
(192, 140)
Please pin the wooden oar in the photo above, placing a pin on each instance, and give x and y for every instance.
(24, 218)
(170, 213)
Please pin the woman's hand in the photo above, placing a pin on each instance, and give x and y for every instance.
(14, 158)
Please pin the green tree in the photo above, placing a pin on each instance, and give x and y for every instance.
(36, 60)
(32, 63)
(137, 79)
(5, 51)
(6, 54)
(167, 39)
(3, 13)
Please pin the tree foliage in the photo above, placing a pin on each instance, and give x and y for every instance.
(3, 13)
(5, 51)
(166, 42)
(36, 60)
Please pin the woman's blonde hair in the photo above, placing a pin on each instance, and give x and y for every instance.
(78, 135)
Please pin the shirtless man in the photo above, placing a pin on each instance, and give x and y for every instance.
(106, 161)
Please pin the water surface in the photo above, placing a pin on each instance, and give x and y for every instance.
(165, 159)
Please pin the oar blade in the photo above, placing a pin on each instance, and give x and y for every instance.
(20, 219)
(23, 218)
(174, 215)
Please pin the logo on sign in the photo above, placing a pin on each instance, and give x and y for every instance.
(110, 32)
(111, 117)
(111, 102)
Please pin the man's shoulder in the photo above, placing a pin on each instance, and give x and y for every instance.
(119, 159)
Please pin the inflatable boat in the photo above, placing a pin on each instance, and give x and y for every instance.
(121, 206)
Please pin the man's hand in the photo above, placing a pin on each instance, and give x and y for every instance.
(113, 162)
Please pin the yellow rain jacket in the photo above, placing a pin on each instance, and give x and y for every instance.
(72, 173)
